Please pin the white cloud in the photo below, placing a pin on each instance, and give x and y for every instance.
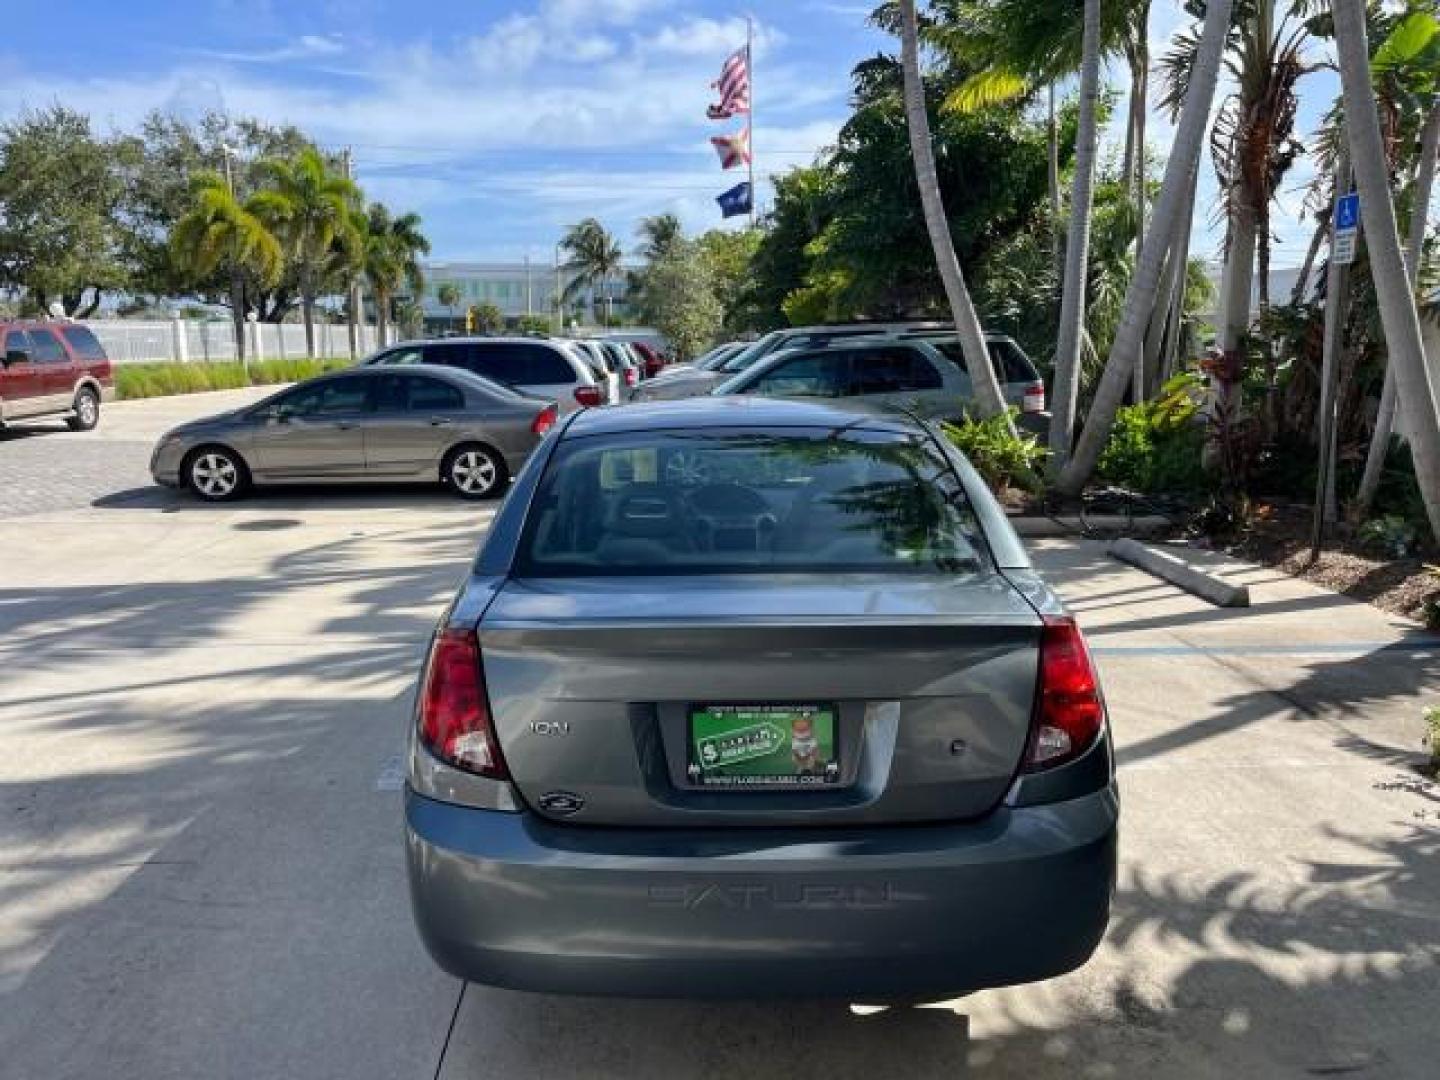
(305, 47)
(608, 91)
(717, 38)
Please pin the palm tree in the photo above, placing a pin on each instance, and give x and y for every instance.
(660, 233)
(219, 229)
(595, 258)
(449, 295)
(1393, 293)
(1407, 63)
(1141, 295)
(1077, 250)
(344, 268)
(392, 261)
(988, 399)
(1253, 146)
(308, 205)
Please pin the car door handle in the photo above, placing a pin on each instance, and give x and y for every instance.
(441, 421)
(345, 425)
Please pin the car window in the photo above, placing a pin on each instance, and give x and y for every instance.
(714, 501)
(432, 395)
(84, 344)
(1011, 365)
(1014, 365)
(541, 365)
(328, 398)
(806, 375)
(17, 341)
(891, 371)
(410, 355)
(415, 393)
(450, 354)
(45, 348)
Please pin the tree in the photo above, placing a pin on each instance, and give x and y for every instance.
(1066, 383)
(1407, 63)
(488, 318)
(988, 399)
(217, 232)
(659, 234)
(393, 246)
(449, 296)
(1142, 292)
(1387, 266)
(308, 204)
(1253, 146)
(60, 194)
(680, 301)
(595, 260)
(168, 154)
(729, 254)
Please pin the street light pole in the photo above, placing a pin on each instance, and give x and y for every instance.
(237, 284)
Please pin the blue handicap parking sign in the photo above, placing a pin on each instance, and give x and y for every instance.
(1347, 212)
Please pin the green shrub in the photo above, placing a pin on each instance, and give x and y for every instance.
(1390, 535)
(160, 380)
(1002, 458)
(1156, 446)
(1432, 738)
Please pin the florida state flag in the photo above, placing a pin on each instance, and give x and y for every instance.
(734, 150)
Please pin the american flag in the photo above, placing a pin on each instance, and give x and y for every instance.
(734, 87)
(733, 149)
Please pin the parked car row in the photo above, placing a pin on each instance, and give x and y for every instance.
(463, 412)
(474, 434)
(915, 362)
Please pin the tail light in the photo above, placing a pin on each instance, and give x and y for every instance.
(1069, 712)
(454, 714)
(589, 397)
(632, 376)
(544, 420)
(1034, 399)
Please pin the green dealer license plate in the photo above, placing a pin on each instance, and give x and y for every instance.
(758, 746)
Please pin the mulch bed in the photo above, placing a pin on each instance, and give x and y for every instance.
(1279, 536)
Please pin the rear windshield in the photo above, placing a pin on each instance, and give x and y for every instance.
(789, 501)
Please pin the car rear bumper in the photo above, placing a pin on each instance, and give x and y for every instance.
(511, 900)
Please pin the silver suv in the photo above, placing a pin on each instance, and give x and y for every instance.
(535, 367)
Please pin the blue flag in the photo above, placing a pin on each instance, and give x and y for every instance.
(735, 201)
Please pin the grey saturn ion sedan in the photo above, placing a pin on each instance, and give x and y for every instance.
(751, 697)
(369, 424)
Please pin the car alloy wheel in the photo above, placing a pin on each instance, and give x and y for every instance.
(474, 472)
(215, 475)
(87, 411)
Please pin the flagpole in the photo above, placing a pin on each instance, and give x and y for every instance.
(750, 116)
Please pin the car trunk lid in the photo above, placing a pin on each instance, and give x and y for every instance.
(929, 679)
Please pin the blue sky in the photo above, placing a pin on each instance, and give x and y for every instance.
(500, 121)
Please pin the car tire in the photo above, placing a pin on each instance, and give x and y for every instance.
(215, 474)
(474, 471)
(87, 410)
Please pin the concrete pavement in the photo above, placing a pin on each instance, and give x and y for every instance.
(201, 875)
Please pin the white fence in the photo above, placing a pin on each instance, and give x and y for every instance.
(134, 341)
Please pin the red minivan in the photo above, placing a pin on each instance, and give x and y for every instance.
(53, 369)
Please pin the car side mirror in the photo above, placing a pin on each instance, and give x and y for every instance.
(16, 356)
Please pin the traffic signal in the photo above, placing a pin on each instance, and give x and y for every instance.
(470, 319)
